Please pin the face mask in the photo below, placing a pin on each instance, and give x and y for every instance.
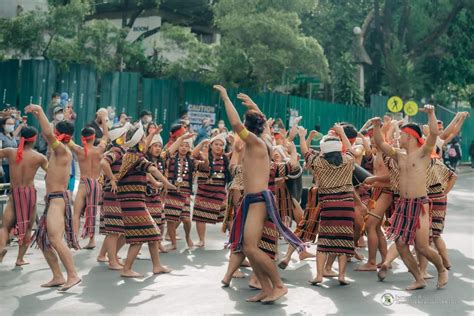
(59, 117)
(55, 101)
(221, 126)
(146, 120)
(9, 128)
(122, 120)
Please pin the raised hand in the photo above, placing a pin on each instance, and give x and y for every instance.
(33, 109)
(376, 122)
(428, 109)
(246, 101)
(290, 146)
(222, 91)
(302, 131)
(158, 130)
(188, 136)
(338, 129)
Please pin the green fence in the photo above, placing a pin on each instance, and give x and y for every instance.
(33, 81)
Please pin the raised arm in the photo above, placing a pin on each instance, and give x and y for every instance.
(197, 150)
(46, 129)
(303, 145)
(342, 135)
(434, 131)
(234, 118)
(294, 129)
(174, 147)
(150, 136)
(294, 161)
(379, 140)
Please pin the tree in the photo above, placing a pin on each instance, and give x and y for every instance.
(262, 41)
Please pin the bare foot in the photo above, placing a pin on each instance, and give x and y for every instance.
(170, 248)
(254, 284)
(257, 298)
(342, 281)
(225, 284)
(358, 256)
(245, 263)
(163, 249)
(330, 273)
(316, 280)
(417, 285)
(89, 246)
(20, 263)
(115, 267)
(70, 283)
(200, 244)
(161, 270)
(130, 274)
(189, 242)
(427, 276)
(54, 283)
(238, 275)
(2, 254)
(282, 265)
(366, 267)
(380, 264)
(442, 279)
(102, 259)
(277, 293)
(382, 272)
(305, 255)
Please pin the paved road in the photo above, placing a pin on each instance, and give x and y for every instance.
(193, 287)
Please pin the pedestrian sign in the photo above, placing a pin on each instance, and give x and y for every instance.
(395, 104)
(410, 108)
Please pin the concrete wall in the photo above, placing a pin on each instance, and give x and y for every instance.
(10, 8)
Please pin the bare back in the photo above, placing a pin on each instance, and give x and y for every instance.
(256, 167)
(380, 169)
(23, 174)
(90, 165)
(413, 173)
(57, 177)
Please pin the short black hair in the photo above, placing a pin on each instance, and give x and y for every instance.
(255, 122)
(131, 132)
(414, 127)
(65, 127)
(87, 131)
(349, 130)
(317, 128)
(55, 95)
(175, 127)
(28, 132)
(144, 112)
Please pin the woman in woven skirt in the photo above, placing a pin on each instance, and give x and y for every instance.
(211, 191)
(139, 226)
(111, 222)
(333, 170)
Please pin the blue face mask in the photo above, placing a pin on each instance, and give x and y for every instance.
(9, 128)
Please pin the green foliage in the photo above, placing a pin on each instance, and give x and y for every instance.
(262, 41)
(346, 87)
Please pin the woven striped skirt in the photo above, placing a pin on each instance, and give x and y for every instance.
(24, 205)
(307, 228)
(209, 203)
(41, 236)
(154, 205)
(406, 219)
(111, 215)
(284, 203)
(336, 226)
(138, 224)
(438, 203)
(234, 199)
(93, 196)
(177, 205)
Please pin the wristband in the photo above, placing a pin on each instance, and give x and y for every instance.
(243, 134)
(55, 144)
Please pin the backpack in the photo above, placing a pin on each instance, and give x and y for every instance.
(452, 152)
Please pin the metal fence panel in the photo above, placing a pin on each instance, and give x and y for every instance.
(9, 71)
(120, 90)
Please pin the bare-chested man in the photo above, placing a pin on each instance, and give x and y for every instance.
(89, 191)
(57, 216)
(20, 212)
(258, 203)
(410, 221)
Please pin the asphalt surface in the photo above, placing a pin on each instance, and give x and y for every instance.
(194, 285)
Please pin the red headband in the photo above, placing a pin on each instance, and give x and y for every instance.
(277, 136)
(84, 140)
(19, 152)
(179, 132)
(64, 138)
(413, 133)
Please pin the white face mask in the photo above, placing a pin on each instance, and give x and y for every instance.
(221, 126)
(59, 117)
(9, 128)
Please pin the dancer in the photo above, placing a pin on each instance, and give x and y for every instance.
(20, 211)
(57, 217)
(89, 192)
(131, 192)
(211, 191)
(410, 221)
(111, 212)
(333, 170)
(258, 203)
